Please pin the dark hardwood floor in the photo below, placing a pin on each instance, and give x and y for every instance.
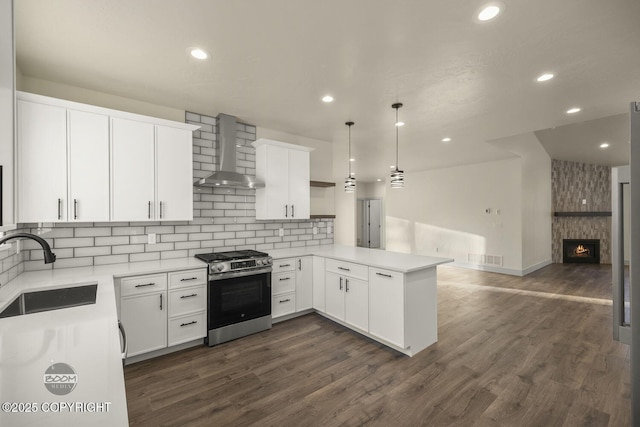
(532, 351)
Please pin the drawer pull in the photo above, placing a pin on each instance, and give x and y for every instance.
(193, 322)
(188, 296)
(384, 275)
(284, 300)
(284, 278)
(341, 283)
(188, 278)
(285, 265)
(142, 285)
(346, 286)
(343, 269)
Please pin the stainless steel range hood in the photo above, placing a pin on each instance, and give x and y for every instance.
(227, 176)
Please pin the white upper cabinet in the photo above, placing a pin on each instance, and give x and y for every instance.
(7, 115)
(88, 135)
(80, 163)
(152, 172)
(42, 162)
(132, 176)
(284, 170)
(174, 166)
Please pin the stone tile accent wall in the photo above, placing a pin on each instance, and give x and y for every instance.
(571, 183)
(224, 219)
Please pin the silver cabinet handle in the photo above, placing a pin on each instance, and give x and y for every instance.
(300, 264)
(193, 322)
(284, 300)
(160, 301)
(341, 283)
(59, 208)
(188, 296)
(292, 211)
(161, 210)
(286, 211)
(346, 286)
(343, 269)
(284, 278)
(125, 346)
(188, 278)
(285, 265)
(149, 211)
(384, 275)
(142, 285)
(75, 208)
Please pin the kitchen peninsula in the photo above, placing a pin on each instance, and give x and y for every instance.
(387, 296)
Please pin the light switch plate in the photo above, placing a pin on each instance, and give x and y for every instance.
(151, 238)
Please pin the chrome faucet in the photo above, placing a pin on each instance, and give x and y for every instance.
(49, 256)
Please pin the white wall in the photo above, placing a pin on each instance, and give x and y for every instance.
(536, 198)
(101, 99)
(442, 213)
(345, 223)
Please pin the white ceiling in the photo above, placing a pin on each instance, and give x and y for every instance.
(273, 60)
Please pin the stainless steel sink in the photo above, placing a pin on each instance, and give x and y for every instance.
(51, 299)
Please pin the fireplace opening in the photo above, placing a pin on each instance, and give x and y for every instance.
(585, 251)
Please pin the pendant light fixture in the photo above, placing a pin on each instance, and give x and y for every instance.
(350, 181)
(397, 176)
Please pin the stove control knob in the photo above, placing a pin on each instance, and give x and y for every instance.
(219, 267)
(267, 261)
(259, 262)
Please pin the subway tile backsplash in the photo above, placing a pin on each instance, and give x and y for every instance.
(224, 219)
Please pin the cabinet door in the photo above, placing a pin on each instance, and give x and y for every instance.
(88, 167)
(304, 283)
(334, 295)
(277, 183)
(144, 317)
(174, 176)
(42, 162)
(299, 190)
(318, 283)
(357, 303)
(386, 305)
(132, 170)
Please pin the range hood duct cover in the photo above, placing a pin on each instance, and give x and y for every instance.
(227, 176)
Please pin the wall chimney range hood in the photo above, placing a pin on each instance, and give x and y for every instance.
(227, 176)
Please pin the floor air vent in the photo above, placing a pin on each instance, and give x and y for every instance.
(483, 259)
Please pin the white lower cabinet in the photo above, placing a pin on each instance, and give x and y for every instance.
(386, 305)
(347, 293)
(291, 286)
(318, 283)
(143, 312)
(163, 310)
(283, 287)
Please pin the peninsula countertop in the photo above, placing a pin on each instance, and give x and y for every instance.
(394, 261)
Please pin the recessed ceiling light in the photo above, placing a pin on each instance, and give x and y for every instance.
(353, 173)
(398, 124)
(544, 77)
(489, 11)
(573, 110)
(327, 98)
(379, 179)
(198, 53)
(352, 160)
(392, 166)
(604, 145)
(447, 139)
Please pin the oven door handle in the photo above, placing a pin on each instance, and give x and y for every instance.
(233, 274)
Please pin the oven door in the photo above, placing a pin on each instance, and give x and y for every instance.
(238, 298)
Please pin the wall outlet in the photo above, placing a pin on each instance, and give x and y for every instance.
(315, 230)
(584, 201)
(329, 229)
(151, 238)
(281, 232)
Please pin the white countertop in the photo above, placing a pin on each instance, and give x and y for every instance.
(394, 261)
(85, 338)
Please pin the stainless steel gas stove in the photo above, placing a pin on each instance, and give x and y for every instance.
(239, 294)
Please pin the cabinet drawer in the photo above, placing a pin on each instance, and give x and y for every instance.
(284, 264)
(283, 304)
(187, 300)
(351, 269)
(143, 284)
(187, 328)
(283, 282)
(181, 279)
